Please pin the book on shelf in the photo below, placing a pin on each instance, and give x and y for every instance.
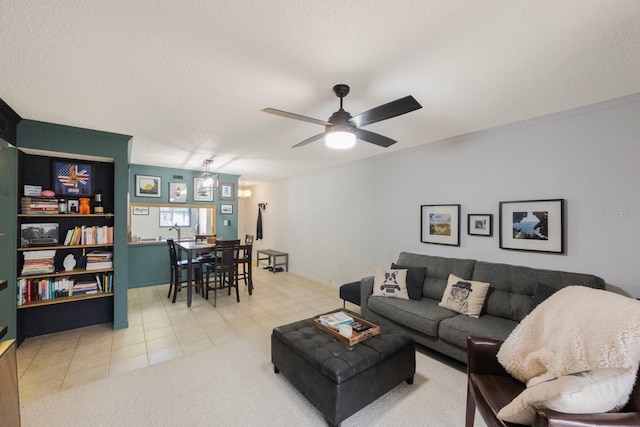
(99, 265)
(89, 235)
(85, 288)
(335, 320)
(99, 256)
(30, 290)
(38, 262)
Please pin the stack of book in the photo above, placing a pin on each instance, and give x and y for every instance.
(39, 205)
(99, 260)
(85, 288)
(38, 262)
(335, 320)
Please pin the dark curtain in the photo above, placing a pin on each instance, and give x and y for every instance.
(259, 226)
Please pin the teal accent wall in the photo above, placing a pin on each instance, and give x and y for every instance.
(8, 237)
(167, 176)
(65, 139)
(149, 262)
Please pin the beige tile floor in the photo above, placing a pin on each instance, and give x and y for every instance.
(159, 331)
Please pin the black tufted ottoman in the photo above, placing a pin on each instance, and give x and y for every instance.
(340, 380)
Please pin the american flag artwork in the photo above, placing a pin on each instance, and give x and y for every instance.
(73, 178)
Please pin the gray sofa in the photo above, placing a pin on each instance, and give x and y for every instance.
(513, 293)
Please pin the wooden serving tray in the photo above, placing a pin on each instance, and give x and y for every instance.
(356, 337)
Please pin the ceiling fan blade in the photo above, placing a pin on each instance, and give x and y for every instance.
(387, 111)
(295, 116)
(309, 140)
(374, 138)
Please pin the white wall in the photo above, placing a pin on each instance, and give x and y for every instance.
(339, 223)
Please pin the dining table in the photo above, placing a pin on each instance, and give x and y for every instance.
(193, 249)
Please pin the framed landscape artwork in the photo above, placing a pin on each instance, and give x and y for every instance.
(440, 224)
(226, 209)
(532, 225)
(480, 225)
(148, 186)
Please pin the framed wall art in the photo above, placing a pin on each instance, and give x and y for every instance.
(226, 191)
(140, 210)
(532, 225)
(148, 186)
(480, 225)
(201, 192)
(177, 192)
(226, 209)
(72, 178)
(440, 224)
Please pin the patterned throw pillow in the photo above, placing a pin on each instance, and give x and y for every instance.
(390, 283)
(464, 296)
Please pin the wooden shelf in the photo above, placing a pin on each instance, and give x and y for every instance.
(63, 300)
(66, 215)
(43, 248)
(74, 272)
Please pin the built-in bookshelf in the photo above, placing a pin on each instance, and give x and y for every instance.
(57, 287)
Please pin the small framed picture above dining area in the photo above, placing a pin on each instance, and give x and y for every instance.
(226, 191)
(226, 209)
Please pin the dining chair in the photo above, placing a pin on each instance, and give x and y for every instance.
(177, 266)
(224, 269)
(245, 256)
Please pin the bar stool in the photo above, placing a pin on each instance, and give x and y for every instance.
(245, 257)
(224, 269)
(177, 266)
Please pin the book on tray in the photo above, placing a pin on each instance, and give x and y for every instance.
(335, 320)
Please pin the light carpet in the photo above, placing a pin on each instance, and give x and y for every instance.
(235, 385)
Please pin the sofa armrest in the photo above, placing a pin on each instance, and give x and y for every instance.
(366, 289)
(481, 356)
(547, 417)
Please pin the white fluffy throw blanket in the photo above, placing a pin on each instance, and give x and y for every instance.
(575, 329)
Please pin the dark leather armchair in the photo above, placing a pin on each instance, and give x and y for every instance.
(490, 387)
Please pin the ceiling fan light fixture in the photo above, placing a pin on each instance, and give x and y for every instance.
(340, 139)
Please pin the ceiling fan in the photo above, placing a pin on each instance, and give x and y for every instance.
(341, 130)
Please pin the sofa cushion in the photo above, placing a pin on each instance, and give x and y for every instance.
(455, 330)
(464, 296)
(390, 283)
(415, 279)
(586, 392)
(513, 287)
(438, 270)
(423, 316)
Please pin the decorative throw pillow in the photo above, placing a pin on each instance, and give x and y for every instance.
(415, 280)
(464, 296)
(586, 392)
(541, 293)
(390, 283)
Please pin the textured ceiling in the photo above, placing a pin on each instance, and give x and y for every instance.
(188, 78)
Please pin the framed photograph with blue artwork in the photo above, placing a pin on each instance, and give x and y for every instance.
(532, 225)
(72, 178)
